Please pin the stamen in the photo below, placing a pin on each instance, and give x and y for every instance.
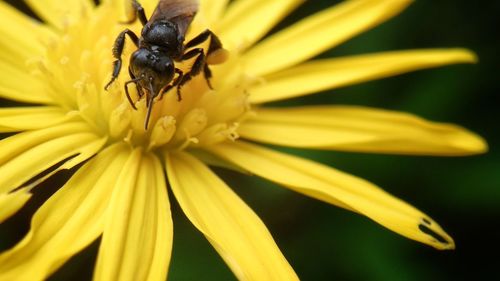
(218, 133)
(192, 124)
(120, 120)
(163, 132)
(201, 118)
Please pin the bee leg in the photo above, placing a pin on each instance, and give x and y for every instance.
(174, 83)
(138, 12)
(196, 68)
(128, 94)
(208, 74)
(117, 53)
(216, 53)
(140, 92)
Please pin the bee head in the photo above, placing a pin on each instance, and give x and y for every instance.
(153, 69)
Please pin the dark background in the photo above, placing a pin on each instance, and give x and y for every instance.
(323, 242)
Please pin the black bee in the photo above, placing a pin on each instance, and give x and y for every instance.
(152, 68)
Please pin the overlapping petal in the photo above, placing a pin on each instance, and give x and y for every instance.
(122, 191)
(137, 238)
(22, 38)
(22, 41)
(315, 76)
(318, 33)
(212, 11)
(70, 220)
(20, 85)
(59, 14)
(11, 202)
(27, 154)
(332, 186)
(359, 129)
(234, 230)
(14, 119)
(238, 29)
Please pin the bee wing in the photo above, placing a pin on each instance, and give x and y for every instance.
(180, 12)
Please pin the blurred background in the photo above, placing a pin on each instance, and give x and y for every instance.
(323, 242)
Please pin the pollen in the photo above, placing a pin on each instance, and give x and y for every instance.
(120, 191)
(203, 116)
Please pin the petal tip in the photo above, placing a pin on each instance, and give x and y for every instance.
(436, 236)
(403, 3)
(466, 56)
(471, 143)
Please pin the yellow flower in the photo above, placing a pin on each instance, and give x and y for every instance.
(59, 69)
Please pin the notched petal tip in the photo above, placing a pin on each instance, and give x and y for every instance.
(337, 188)
(437, 237)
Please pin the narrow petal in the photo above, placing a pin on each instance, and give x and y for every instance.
(14, 119)
(58, 14)
(149, 5)
(20, 85)
(327, 74)
(22, 38)
(121, 8)
(21, 43)
(238, 27)
(162, 245)
(138, 234)
(25, 155)
(334, 187)
(13, 146)
(234, 230)
(213, 11)
(319, 33)
(70, 220)
(359, 129)
(10, 203)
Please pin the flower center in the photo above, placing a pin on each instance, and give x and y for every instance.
(79, 64)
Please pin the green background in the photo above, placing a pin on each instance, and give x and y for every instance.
(323, 242)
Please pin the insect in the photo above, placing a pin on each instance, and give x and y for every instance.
(152, 68)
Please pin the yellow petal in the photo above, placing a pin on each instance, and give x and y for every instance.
(21, 41)
(319, 33)
(359, 129)
(13, 146)
(20, 85)
(212, 11)
(326, 74)
(234, 230)
(10, 203)
(148, 5)
(60, 14)
(211, 160)
(138, 233)
(124, 8)
(70, 220)
(22, 37)
(246, 21)
(14, 119)
(334, 187)
(25, 155)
